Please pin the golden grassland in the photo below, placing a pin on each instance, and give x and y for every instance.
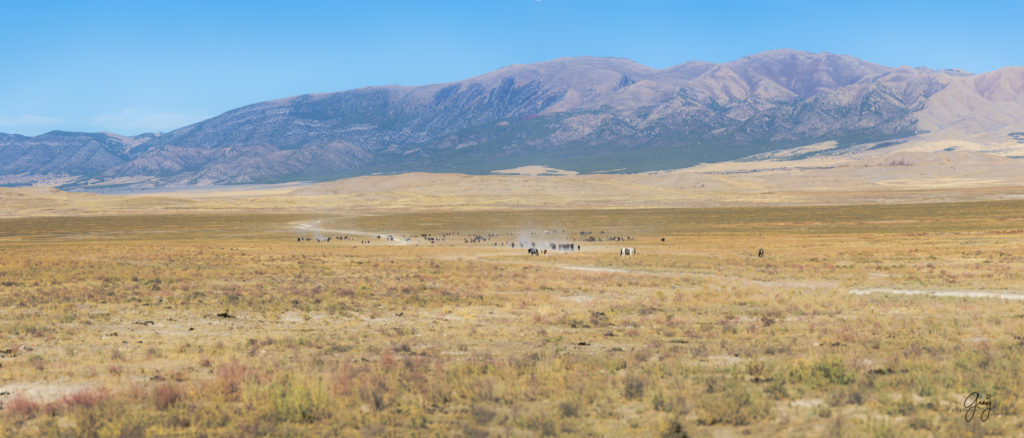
(938, 177)
(109, 325)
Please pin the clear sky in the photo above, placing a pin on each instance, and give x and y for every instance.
(137, 66)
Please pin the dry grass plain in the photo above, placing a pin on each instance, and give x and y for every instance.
(110, 324)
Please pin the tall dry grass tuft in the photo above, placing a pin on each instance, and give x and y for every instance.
(21, 407)
(167, 395)
(87, 398)
(298, 399)
(230, 377)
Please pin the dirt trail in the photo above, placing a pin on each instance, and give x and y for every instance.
(681, 274)
(314, 227)
(42, 391)
(1013, 295)
(593, 269)
(953, 293)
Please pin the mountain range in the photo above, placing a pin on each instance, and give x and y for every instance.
(583, 114)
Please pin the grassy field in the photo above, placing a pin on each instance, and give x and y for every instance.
(116, 326)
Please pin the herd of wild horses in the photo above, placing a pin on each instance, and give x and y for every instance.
(533, 250)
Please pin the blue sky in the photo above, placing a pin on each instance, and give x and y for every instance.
(133, 67)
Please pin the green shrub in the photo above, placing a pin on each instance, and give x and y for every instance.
(293, 399)
(738, 403)
(822, 373)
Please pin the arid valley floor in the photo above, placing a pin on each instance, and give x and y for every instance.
(210, 317)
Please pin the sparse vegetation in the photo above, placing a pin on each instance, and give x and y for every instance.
(110, 324)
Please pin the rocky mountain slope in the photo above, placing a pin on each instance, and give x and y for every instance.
(583, 114)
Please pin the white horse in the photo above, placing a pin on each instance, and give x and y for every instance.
(626, 252)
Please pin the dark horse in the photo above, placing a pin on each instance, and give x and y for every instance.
(533, 251)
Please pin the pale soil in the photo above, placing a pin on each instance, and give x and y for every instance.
(315, 228)
(534, 170)
(939, 293)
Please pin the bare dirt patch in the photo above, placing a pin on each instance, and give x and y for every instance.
(937, 293)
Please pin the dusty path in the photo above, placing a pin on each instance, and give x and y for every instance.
(955, 294)
(314, 227)
(593, 269)
(814, 285)
(680, 274)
